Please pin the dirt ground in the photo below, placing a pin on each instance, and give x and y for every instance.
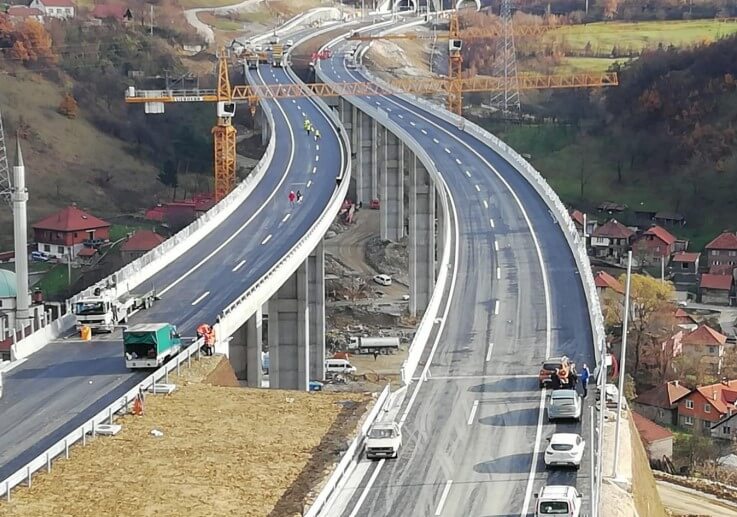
(224, 451)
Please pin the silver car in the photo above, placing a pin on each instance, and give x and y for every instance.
(564, 404)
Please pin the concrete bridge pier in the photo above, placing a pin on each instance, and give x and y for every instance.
(289, 340)
(245, 350)
(316, 307)
(366, 138)
(421, 237)
(391, 174)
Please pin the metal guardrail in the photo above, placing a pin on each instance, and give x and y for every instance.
(350, 455)
(45, 459)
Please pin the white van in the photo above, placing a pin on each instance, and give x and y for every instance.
(383, 279)
(338, 366)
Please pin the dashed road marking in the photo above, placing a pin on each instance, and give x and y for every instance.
(458, 161)
(496, 307)
(412, 124)
(317, 158)
(486, 205)
(468, 174)
(498, 273)
(491, 222)
(496, 245)
(309, 184)
(488, 352)
(478, 189)
(200, 298)
(239, 265)
(314, 170)
(400, 115)
(446, 149)
(286, 217)
(443, 497)
(267, 239)
(474, 408)
(423, 131)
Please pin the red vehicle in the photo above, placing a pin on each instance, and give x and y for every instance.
(374, 204)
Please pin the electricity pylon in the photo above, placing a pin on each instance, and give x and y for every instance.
(505, 65)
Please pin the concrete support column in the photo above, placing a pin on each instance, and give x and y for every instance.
(366, 141)
(316, 302)
(289, 353)
(421, 237)
(245, 351)
(391, 167)
(265, 128)
(346, 112)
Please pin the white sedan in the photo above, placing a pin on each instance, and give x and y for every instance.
(564, 450)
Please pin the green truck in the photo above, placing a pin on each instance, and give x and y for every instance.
(149, 345)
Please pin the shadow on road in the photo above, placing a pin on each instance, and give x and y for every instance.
(77, 368)
(514, 417)
(507, 385)
(512, 464)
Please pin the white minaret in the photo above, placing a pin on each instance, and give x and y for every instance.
(19, 197)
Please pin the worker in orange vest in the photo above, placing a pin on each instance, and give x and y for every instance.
(206, 332)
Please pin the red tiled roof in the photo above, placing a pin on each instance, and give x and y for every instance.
(109, 11)
(685, 256)
(577, 216)
(663, 396)
(650, 432)
(58, 3)
(681, 314)
(613, 229)
(70, 219)
(22, 11)
(662, 234)
(721, 395)
(704, 335)
(724, 241)
(87, 252)
(719, 282)
(143, 240)
(604, 280)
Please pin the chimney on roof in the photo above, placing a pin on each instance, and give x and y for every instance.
(713, 394)
(675, 383)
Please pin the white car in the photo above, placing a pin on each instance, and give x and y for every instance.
(383, 279)
(289, 43)
(558, 500)
(383, 441)
(564, 450)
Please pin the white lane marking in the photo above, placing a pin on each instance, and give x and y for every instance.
(412, 124)
(286, 217)
(317, 158)
(304, 114)
(498, 273)
(389, 110)
(239, 265)
(400, 115)
(202, 297)
(446, 149)
(496, 307)
(491, 222)
(468, 174)
(338, 76)
(317, 147)
(478, 189)
(255, 214)
(488, 353)
(299, 108)
(496, 248)
(294, 101)
(486, 205)
(436, 141)
(458, 161)
(267, 239)
(423, 131)
(370, 483)
(474, 408)
(443, 497)
(309, 184)
(378, 103)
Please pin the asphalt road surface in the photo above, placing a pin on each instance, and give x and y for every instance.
(69, 381)
(475, 427)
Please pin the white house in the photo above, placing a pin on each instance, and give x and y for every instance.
(55, 8)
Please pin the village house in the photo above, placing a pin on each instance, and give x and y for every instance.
(706, 406)
(706, 346)
(653, 245)
(670, 219)
(64, 233)
(660, 403)
(684, 319)
(579, 219)
(139, 244)
(684, 266)
(23, 13)
(722, 250)
(611, 241)
(716, 289)
(55, 8)
(658, 440)
(111, 12)
(726, 428)
(659, 357)
(606, 283)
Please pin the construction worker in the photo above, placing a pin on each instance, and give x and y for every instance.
(308, 126)
(317, 134)
(299, 197)
(292, 197)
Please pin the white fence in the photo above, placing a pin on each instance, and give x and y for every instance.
(45, 459)
(350, 456)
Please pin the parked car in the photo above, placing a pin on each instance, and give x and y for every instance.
(40, 256)
(547, 370)
(316, 386)
(338, 366)
(289, 43)
(383, 440)
(564, 404)
(564, 450)
(383, 279)
(561, 500)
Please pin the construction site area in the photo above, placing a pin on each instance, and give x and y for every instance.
(209, 448)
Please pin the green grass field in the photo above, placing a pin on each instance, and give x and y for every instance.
(55, 281)
(641, 35)
(192, 4)
(573, 65)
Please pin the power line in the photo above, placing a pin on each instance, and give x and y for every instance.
(505, 65)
